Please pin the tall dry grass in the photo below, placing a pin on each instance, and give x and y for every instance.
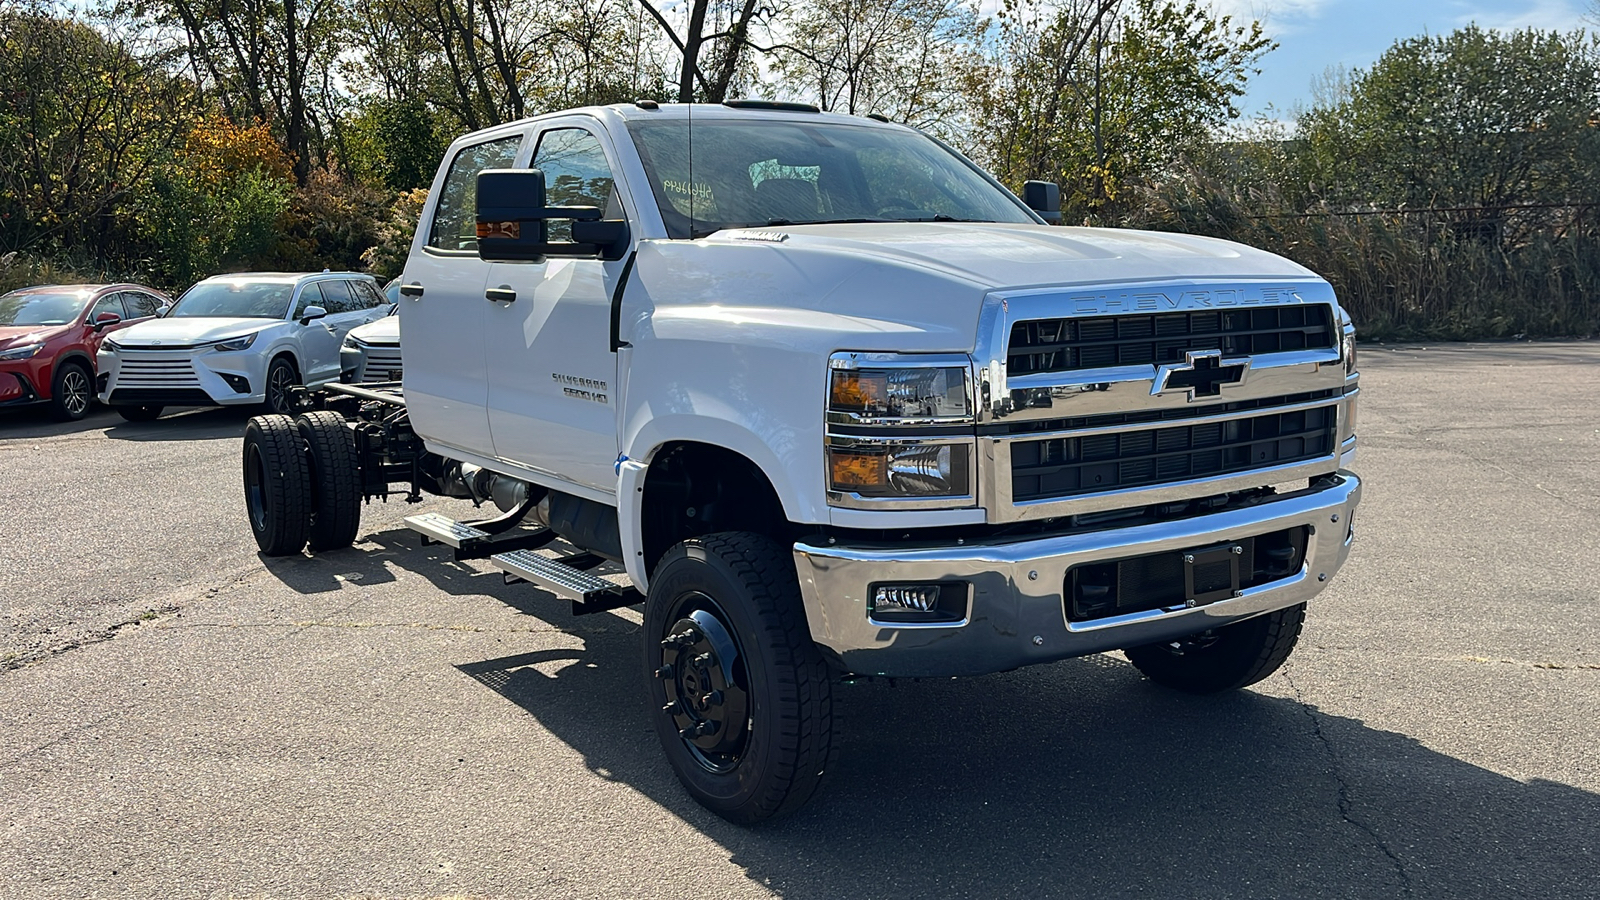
(1451, 275)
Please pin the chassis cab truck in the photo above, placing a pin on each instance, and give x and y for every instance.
(840, 405)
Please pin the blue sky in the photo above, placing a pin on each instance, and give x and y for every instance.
(1316, 35)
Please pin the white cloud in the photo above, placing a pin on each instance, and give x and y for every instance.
(1558, 15)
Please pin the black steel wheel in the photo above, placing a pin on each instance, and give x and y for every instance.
(277, 485)
(72, 392)
(281, 376)
(1222, 659)
(335, 476)
(140, 413)
(742, 699)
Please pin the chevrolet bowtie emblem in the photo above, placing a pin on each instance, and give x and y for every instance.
(1204, 373)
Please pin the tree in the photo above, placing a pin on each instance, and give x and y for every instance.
(261, 59)
(901, 58)
(1476, 118)
(82, 122)
(1096, 96)
(711, 60)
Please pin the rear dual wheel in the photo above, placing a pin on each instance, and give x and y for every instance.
(302, 483)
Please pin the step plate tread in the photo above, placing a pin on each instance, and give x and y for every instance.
(444, 529)
(551, 574)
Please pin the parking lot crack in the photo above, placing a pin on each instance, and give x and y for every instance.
(1345, 804)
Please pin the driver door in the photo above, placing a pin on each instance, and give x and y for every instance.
(552, 388)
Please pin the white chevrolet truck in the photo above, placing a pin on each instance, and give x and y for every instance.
(840, 405)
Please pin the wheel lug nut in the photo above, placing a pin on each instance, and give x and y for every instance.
(703, 660)
(712, 699)
(705, 728)
(664, 672)
(689, 733)
(672, 708)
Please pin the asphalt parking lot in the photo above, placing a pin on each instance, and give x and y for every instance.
(179, 717)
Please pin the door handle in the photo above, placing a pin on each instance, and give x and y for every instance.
(412, 290)
(501, 295)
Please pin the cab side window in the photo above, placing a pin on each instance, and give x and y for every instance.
(575, 174)
(455, 225)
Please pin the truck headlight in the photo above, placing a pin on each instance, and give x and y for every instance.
(911, 393)
(908, 469)
(238, 343)
(1347, 349)
(350, 342)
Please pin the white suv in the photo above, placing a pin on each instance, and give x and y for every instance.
(237, 339)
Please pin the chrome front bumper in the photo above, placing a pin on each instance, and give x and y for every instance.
(1016, 616)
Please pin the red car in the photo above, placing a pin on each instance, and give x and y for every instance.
(49, 336)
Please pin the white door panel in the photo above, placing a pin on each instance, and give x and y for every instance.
(551, 394)
(552, 401)
(446, 378)
(446, 371)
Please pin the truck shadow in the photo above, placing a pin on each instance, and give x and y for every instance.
(1071, 779)
(200, 423)
(1080, 779)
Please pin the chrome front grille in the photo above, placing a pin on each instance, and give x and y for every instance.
(1073, 344)
(380, 362)
(145, 373)
(1070, 466)
(1092, 402)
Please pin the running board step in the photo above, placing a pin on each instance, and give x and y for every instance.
(588, 593)
(436, 528)
(472, 541)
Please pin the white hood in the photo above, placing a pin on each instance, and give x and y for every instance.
(184, 331)
(383, 332)
(996, 256)
(912, 287)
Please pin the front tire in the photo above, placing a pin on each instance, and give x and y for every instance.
(72, 392)
(741, 698)
(1222, 659)
(142, 413)
(335, 476)
(277, 486)
(281, 376)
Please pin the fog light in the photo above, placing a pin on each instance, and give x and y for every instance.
(918, 603)
(239, 383)
(905, 598)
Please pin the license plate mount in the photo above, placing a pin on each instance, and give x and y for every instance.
(1212, 574)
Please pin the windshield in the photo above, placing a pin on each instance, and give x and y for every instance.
(763, 172)
(234, 299)
(40, 309)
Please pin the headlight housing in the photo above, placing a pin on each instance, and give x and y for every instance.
(1347, 348)
(904, 469)
(900, 431)
(899, 395)
(16, 353)
(238, 343)
(350, 343)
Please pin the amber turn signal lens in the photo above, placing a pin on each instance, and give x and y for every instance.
(855, 391)
(510, 230)
(857, 470)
